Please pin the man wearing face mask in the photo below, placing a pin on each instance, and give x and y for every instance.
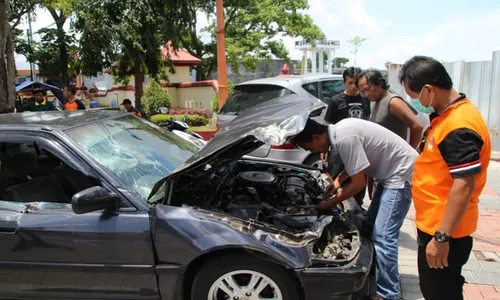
(448, 177)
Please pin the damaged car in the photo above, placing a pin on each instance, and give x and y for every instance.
(105, 205)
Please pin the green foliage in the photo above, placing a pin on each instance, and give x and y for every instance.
(340, 62)
(192, 120)
(251, 29)
(154, 98)
(215, 102)
(47, 54)
(128, 31)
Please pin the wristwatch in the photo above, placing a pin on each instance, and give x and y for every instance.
(441, 237)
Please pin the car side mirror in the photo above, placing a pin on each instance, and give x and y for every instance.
(93, 199)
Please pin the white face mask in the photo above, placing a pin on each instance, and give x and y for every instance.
(417, 104)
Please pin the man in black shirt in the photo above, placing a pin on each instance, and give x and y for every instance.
(349, 104)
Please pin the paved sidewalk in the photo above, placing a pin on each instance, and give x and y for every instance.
(482, 271)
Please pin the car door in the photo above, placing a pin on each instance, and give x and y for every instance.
(49, 252)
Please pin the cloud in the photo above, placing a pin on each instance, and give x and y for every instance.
(456, 36)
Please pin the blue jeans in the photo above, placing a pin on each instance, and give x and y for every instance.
(385, 216)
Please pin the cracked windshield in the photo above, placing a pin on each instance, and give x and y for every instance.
(134, 151)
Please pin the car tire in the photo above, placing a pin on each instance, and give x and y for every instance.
(314, 160)
(242, 269)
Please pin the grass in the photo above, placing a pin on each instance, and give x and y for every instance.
(209, 127)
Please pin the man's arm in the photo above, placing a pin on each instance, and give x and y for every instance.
(461, 150)
(355, 161)
(358, 182)
(400, 109)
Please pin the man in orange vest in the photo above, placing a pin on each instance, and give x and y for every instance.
(71, 102)
(448, 177)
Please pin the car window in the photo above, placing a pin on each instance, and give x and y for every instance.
(33, 178)
(246, 96)
(133, 150)
(312, 88)
(330, 88)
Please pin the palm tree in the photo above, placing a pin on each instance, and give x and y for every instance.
(356, 42)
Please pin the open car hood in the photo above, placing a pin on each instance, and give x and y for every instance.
(273, 122)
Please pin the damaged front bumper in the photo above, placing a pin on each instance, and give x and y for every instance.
(339, 283)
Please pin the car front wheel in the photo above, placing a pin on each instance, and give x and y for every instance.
(243, 278)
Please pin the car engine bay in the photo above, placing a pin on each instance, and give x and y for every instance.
(284, 198)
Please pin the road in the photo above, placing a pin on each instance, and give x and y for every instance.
(482, 271)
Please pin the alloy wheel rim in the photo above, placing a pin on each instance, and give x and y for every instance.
(244, 285)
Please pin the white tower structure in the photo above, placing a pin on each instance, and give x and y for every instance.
(318, 47)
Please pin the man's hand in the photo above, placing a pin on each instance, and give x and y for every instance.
(324, 156)
(437, 254)
(324, 207)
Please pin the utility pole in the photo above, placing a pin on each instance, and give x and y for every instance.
(221, 54)
(30, 41)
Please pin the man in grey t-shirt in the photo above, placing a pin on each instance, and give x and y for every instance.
(366, 148)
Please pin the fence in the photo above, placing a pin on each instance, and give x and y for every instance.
(479, 80)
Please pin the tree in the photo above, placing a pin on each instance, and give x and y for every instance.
(356, 42)
(252, 31)
(339, 62)
(155, 98)
(129, 32)
(7, 60)
(49, 57)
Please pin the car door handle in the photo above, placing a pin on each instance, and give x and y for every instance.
(7, 230)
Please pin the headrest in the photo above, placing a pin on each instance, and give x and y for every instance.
(18, 165)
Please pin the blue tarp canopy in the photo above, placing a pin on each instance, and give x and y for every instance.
(29, 86)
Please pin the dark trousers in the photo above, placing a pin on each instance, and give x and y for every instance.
(447, 283)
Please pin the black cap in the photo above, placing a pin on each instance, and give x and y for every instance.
(126, 101)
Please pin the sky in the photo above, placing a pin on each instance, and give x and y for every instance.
(447, 30)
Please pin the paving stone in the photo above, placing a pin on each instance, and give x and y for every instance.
(472, 265)
(410, 285)
(495, 277)
(413, 296)
(491, 256)
(469, 277)
(482, 277)
(490, 266)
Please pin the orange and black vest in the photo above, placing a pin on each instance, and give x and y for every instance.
(75, 105)
(457, 144)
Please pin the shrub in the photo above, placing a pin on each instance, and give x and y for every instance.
(192, 120)
(154, 98)
(200, 112)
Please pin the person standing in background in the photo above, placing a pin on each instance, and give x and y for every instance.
(71, 102)
(40, 102)
(349, 104)
(127, 104)
(448, 178)
(390, 110)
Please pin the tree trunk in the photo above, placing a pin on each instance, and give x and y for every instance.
(138, 81)
(200, 76)
(60, 20)
(7, 62)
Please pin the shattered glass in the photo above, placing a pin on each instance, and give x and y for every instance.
(136, 152)
(21, 207)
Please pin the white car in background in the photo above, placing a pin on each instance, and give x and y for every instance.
(318, 88)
